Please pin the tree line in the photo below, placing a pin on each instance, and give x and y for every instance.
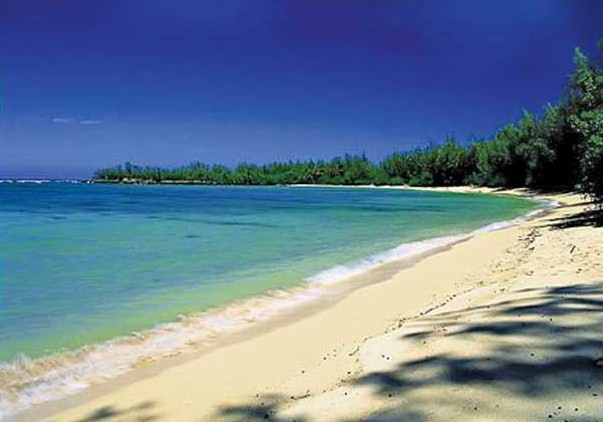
(560, 148)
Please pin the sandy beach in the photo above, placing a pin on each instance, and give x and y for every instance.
(504, 326)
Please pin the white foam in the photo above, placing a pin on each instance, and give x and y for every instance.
(546, 205)
(40, 181)
(27, 382)
(35, 181)
(414, 249)
(403, 251)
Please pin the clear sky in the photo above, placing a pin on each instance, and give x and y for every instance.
(95, 83)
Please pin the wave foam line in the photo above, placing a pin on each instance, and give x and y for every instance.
(415, 249)
(27, 382)
(403, 251)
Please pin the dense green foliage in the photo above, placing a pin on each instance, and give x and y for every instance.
(562, 148)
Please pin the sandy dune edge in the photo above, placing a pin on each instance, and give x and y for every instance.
(505, 326)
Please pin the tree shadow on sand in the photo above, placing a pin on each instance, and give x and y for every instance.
(592, 217)
(266, 409)
(541, 345)
(543, 348)
(142, 412)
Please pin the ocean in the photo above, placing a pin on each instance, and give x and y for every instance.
(94, 278)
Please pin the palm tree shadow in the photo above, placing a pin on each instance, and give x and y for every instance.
(141, 413)
(592, 218)
(548, 342)
(266, 408)
(542, 345)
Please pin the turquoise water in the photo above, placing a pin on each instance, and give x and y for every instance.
(82, 264)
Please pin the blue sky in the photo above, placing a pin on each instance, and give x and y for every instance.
(95, 83)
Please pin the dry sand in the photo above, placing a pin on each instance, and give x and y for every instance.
(507, 325)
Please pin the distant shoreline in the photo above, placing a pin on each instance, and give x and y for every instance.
(499, 190)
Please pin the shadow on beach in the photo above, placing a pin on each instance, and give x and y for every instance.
(142, 412)
(592, 218)
(537, 355)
